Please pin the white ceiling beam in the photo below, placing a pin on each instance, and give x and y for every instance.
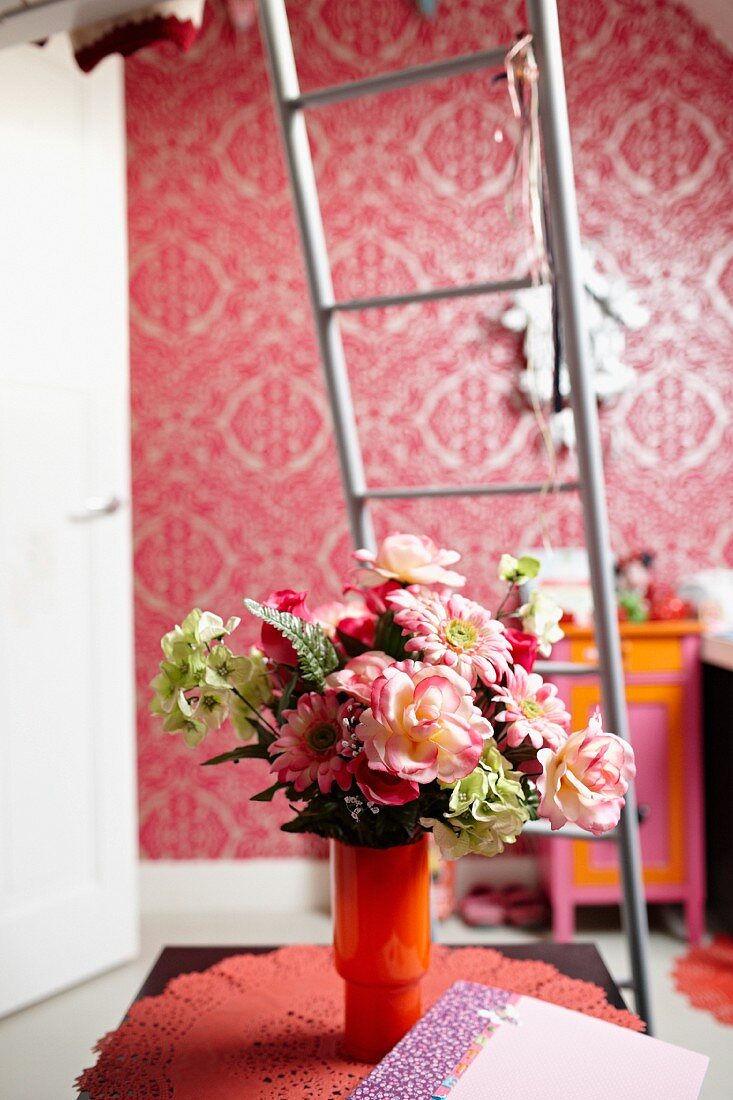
(29, 23)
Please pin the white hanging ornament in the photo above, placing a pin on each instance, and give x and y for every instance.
(611, 307)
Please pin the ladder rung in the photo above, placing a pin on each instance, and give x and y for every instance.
(468, 490)
(565, 668)
(400, 78)
(568, 832)
(439, 293)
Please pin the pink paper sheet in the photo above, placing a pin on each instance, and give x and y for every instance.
(552, 1053)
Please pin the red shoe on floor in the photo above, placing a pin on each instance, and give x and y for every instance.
(515, 905)
(483, 907)
(525, 907)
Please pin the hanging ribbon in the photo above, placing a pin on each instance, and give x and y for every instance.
(521, 77)
(521, 74)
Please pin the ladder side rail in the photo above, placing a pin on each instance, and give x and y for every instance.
(566, 240)
(284, 75)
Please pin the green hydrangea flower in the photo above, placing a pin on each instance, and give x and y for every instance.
(192, 728)
(486, 810)
(541, 616)
(201, 682)
(251, 682)
(518, 570)
(198, 629)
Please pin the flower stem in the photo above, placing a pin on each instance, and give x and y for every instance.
(260, 717)
(507, 594)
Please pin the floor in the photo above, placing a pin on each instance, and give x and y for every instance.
(43, 1048)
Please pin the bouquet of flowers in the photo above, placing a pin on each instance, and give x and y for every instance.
(407, 708)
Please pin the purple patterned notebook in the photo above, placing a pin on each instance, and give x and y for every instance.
(428, 1061)
(477, 1042)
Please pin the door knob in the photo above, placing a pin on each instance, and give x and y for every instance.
(95, 508)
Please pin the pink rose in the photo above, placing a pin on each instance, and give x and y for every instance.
(586, 779)
(358, 675)
(328, 615)
(524, 647)
(412, 559)
(381, 787)
(423, 724)
(376, 597)
(274, 645)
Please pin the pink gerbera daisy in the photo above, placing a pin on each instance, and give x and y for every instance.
(451, 630)
(532, 710)
(308, 747)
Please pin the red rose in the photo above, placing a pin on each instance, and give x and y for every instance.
(274, 645)
(375, 597)
(381, 787)
(357, 629)
(524, 647)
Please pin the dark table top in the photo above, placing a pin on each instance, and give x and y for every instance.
(576, 960)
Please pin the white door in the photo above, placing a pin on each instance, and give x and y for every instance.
(68, 905)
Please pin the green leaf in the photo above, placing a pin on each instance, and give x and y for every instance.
(316, 654)
(269, 794)
(242, 752)
(531, 797)
(286, 696)
(529, 567)
(352, 646)
(330, 818)
(389, 638)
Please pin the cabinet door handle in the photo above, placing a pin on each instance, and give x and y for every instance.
(96, 508)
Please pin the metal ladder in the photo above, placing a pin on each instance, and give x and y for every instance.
(291, 105)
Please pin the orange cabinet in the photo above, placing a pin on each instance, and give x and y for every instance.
(662, 669)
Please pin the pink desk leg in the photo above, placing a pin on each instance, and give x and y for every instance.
(694, 919)
(563, 904)
(695, 838)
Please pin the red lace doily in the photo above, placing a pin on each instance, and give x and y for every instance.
(705, 976)
(273, 1022)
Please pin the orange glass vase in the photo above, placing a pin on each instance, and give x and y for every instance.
(381, 938)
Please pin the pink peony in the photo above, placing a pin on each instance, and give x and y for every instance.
(382, 787)
(586, 779)
(451, 630)
(532, 710)
(524, 647)
(358, 675)
(274, 645)
(423, 724)
(307, 748)
(412, 559)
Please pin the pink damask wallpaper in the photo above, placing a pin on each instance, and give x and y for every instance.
(236, 488)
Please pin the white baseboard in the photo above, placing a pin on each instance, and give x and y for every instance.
(281, 885)
(233, 885)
